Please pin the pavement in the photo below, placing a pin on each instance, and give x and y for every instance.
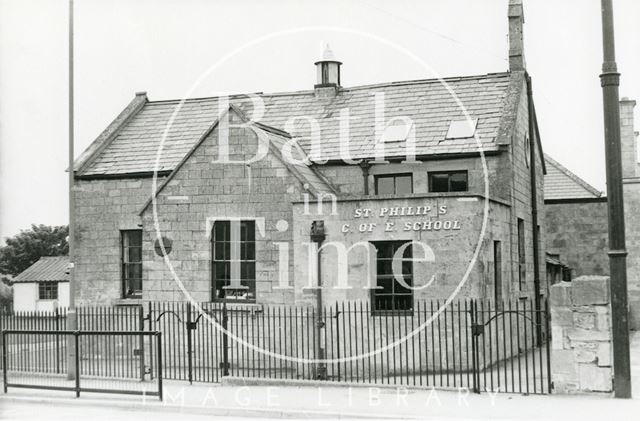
(237, 400)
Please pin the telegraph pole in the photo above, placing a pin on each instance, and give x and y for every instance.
(610, 80)
(72, 322)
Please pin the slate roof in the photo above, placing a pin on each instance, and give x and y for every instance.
(560, 183)
(306, 173)
(300, 165)
(134, 147)
(48, 268)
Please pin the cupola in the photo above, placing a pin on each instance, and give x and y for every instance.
(328, 70)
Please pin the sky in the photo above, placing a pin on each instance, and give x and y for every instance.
(164, 47)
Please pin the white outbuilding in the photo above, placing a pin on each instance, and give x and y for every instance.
(43, 286)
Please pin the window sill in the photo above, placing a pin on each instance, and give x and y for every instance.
(396, 313)
(129, 301)
(242, 307)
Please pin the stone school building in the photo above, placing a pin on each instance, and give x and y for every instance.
(229, 201)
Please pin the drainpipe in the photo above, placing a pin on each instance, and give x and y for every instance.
(365, 166)
(534, 210)
(318, 236)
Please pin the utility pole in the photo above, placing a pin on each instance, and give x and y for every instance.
(72, 321)
(610, 80)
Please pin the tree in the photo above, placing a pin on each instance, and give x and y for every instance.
(24, 249)
(6, 296)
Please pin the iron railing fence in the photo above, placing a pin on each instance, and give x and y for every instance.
(472, 344)
(104, 362)
(469, 343)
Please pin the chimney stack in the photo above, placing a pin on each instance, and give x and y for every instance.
(328, 74)
(628, 140)
(516, 43)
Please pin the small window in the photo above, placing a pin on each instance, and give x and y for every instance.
(131, 263)
(527, 150)
(462, 129)
(48, 291)
(451, 181)
(389, 294)
(394, 184)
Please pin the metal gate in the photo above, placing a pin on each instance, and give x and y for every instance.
(511, 344)
(193, 347)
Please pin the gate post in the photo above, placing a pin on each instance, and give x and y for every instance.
(76, 335)
(225, 341)
(149, 318)
(159, 356)
(141, 328)
(57, 316)
(4, 360)
(581, 346)
(189, 327)
(474, 346)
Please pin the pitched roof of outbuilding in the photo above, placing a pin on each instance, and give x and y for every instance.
(48, 268)
(560, 183)
(134, 146)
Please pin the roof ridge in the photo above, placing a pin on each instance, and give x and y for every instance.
(344, 89)
(573, 176)
(487, 94)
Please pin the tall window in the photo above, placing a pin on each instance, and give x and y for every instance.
(234, 260)
(449, 181)
(394, 184)
(131, 263)
(497, 272)
(522, 261)
(48, 291)
(390, 294)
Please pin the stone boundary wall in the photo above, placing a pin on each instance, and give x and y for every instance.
(581, 344)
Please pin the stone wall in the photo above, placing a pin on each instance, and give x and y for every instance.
(578, 232)
(581, 350)
(632, 226)
(520, 185)
(631, 175)
(348, 179)
(202, 191)
(103, 208)
(453, 247)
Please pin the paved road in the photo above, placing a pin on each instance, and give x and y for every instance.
(27, 411)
